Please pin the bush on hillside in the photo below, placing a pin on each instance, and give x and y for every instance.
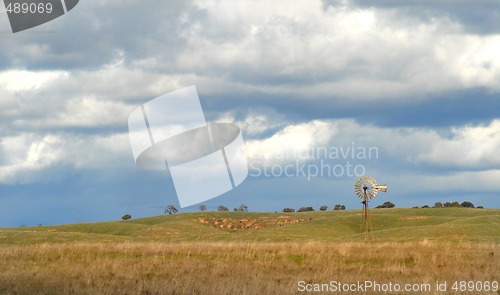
(386, 205)
(305, 209)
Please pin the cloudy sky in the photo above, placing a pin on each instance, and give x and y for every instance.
(414, 82)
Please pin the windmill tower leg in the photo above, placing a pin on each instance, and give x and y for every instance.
(367, 225)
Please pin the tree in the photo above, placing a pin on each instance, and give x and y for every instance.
(339, 207)
(202, 208)
(438, 205)
(480, 207)
(305, 209)
(455, 204)
(447, 204)
(386, 205)
(323, 208)
(425, 206)
(222, 208)
(171, 209)
(467, 204)
(243, 208)
(126, 217)
(288, 210)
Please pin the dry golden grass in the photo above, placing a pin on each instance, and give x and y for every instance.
(236, 267)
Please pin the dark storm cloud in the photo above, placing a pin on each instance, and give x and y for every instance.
(92, 33)
(280, 59)
(440, 110)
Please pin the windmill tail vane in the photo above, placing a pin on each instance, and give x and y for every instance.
(381, 187)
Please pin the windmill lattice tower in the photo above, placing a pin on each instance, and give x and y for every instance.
(366, 188)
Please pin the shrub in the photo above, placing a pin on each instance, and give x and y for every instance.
(386, 205)
(305, 209)
(126, 217)
(438, 205)
(467, 204)
(222, 208)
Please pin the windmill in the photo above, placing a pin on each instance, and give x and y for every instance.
(366, 188)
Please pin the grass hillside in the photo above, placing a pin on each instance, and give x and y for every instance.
(442, 224)
(257, 253)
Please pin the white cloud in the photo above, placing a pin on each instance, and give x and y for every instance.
(404, 149)
(25, 81)
(411, 160)
(468, 147)
(80, 112)
(292, 140)
(309, 50)
(478, 63)
(304, 51)
(27, 157)
(255, 122)
(102, 98)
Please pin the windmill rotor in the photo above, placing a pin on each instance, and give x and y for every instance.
(366, 188)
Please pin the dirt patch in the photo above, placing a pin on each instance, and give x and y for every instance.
(233, 224)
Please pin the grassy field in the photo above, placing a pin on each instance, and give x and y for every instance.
(253, 253)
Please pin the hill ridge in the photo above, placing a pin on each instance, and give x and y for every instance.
(397, 224)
